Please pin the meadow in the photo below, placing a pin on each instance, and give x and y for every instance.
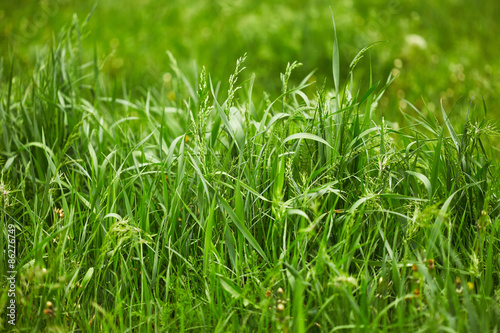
(208, 169)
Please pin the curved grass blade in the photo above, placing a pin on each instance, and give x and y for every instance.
(308, 136)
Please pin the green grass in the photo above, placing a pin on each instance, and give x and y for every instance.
(438, 55)
(188, 207)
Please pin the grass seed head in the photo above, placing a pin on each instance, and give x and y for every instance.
(458, 285)
(49, 312)
(59, 211)
(49, 309)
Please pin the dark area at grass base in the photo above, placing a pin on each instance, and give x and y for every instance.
(191, 207)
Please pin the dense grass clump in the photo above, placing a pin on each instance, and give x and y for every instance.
(198, 209)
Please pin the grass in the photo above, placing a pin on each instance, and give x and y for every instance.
(194, 208)
(437, 55)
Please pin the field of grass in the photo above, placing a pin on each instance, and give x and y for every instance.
(443, 51)
(198, 202)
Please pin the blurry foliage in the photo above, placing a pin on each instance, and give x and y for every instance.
(445, 50)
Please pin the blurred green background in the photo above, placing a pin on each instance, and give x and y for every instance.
(441, 50)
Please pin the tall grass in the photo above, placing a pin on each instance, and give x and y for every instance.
(198, 209)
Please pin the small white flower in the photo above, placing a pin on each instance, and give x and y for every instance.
(416, 40)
